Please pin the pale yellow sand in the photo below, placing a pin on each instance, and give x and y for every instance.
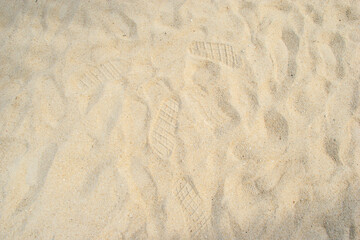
(175, 119)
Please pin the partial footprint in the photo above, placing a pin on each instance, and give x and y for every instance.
(126, 25)
(144, 182)
(213, 115)
(11, 151)
(97, 76)
(92, 83)
(190, 201)
(13, 114)
(332, 149)
(37, 180)
(154, 92)
(162, 134)
(337, 45)
(291, 41)
(276, 125)
(355, 97)
(92, 179)
(57, 15)
(217, 52)
(104, 195)
(166, 106)
(314, 14)
(112, 20)
(50, 107)
(169, 13)
(269, 176)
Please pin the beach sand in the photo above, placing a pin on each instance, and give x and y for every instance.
(179, 119)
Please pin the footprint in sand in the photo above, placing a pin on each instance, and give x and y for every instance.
(216, 52)
(91, 84)
(162, 133)
(291, 41)
(191, 203)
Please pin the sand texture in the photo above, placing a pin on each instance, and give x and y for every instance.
(180, 119)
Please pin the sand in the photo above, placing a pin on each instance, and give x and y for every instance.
(175, 119)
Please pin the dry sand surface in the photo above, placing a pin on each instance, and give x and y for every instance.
(179, 119)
